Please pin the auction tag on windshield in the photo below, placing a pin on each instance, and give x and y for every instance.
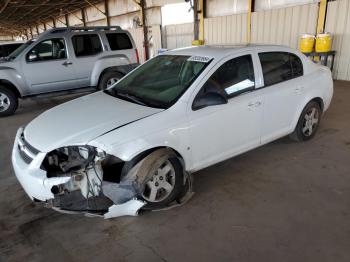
(201, 59)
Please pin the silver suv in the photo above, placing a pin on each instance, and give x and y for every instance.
(66, 59)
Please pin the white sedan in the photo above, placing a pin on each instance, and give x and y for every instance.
(134, 144)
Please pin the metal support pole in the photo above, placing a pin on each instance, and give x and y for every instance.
(321, 16)
(83, 17)
(145, 30)
(107, 13)
(195, 20)
(249, 20)
(26, 33)
(201, 20)
(54, 22)
(67, 20)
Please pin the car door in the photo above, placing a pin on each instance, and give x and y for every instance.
(283, 89)
(87, 50)
(47, 67)
(222, 131)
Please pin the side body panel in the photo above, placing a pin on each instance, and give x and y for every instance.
(9, 74)
(51, 75)
(285, 101)
(168, 128)
(223, 131)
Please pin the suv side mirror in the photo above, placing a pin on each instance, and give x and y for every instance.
(209, 99)
(32, 57)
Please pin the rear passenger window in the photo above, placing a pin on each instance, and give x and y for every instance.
(280, 66)
(118, 41)
(86, 45)
(234, 77)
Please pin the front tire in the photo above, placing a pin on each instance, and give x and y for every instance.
(158, 176)
(164, 185)
(8, 101)
(308, 122)
(108, 79)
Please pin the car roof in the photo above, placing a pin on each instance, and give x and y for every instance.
(12, 43)
(220, 51)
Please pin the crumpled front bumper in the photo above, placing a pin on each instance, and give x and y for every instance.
(38, 186)
(28, 172)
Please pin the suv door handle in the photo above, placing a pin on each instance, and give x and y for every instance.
(254, 104)
(299, 89)
(66, 63)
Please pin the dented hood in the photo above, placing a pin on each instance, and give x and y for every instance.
(81, 120)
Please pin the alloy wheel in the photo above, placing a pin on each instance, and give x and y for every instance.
(310, 122)
(111, 81)
(4, 102)
(161, 184)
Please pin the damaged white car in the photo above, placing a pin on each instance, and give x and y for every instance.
(134, 144)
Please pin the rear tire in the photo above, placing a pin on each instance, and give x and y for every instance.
(308, 123)
(8, 101)
(108, 79)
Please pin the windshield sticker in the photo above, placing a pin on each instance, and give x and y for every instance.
(201, 59)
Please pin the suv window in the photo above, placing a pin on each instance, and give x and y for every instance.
(50, 49)
(118, 41)
(86, 45)
(280, 66)
(234, 77)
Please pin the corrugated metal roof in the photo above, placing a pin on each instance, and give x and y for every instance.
(17, 15)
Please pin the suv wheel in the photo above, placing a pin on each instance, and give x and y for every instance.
(8, 101)
(108, 79)
(308, 123)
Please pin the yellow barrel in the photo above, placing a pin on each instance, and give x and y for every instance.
(323, 42)
(307, 43)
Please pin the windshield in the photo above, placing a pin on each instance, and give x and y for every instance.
(19, 50)
(161, 81)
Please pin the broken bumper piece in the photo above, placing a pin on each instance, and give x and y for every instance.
(129, 208)
(77, 179)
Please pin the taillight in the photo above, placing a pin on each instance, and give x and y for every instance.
(137, 56)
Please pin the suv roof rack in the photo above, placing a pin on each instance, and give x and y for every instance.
(87, 28)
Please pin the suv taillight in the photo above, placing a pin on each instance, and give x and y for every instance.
(137, 56)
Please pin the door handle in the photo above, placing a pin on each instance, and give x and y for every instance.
(299, 89)
(254, 104)
(66, 63)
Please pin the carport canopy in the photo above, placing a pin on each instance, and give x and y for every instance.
(18, 15)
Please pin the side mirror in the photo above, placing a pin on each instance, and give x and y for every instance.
(209, 99)
(32, 57)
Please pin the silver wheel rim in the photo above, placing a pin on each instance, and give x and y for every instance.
(112, 81)
(4, 102)
(310, 122)
(161, 184)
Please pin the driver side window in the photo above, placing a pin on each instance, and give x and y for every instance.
(233, 77)
(46, 50)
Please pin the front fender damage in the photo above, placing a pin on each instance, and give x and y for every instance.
(99, 184)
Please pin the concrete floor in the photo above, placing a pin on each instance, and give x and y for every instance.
(282, 202)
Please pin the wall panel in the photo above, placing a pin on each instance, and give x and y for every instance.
(177, 36)
(284, 26)
(223, 30)
(338, 24)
